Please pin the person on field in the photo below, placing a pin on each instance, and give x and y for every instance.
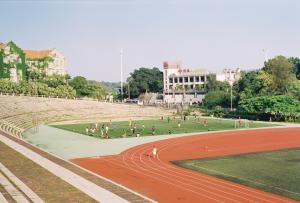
(143, 127)
(179, 124)
(130, 122)
(124, 134)
(154, 152)
(87, 130)
(106, 131)
(168, 119)
(153, 130)
(205, 122)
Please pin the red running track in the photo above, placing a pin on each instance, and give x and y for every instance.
(162, 181)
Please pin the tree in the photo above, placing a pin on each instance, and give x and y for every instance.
(79, 83)
(280, 69)
(253, 83)
(144, 79)
(214, 85)
(280, 107)
(217, 98)
(296, 66)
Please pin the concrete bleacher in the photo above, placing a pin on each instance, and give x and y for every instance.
(19, 113)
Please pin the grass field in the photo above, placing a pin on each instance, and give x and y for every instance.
(117, 129)
(276, 171)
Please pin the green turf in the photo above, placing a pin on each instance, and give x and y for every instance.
(162, 127)
(276, 171)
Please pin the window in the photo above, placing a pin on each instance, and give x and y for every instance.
(186, 79)
(170, 80)
(180, 80)
(202, 78)
(191, 79)
(176, 80)
(197, 79)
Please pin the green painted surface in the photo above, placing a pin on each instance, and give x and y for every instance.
(277, 171)
(162, 127)
(71, 145)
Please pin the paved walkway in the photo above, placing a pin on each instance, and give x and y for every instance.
(77, 181)
(12, 190)
(29, 193)
(72, 171)
(2, 199)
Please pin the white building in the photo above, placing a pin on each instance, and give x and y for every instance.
(51, 61)
(16, 63)
(229, 75)
(183, 85)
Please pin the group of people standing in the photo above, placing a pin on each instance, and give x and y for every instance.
(93, 128)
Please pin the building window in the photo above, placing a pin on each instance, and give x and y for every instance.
(191, 79)
(176, 80)
(170, 80)
(186, 79)
(202, 78)
(180, 80)
(197, 79)
(192, 87)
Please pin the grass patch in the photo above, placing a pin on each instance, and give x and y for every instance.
(277, 172)
(162, 127)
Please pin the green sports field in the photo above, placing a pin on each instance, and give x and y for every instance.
(276, 171)
(161, 127)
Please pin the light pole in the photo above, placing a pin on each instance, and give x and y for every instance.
(128, 89)
(231, 83)
(121, 64)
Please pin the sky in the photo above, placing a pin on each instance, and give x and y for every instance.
(210, 34)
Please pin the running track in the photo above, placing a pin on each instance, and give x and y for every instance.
(164, 182)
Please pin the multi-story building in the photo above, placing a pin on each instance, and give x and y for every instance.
(16, 64)
(183, 85)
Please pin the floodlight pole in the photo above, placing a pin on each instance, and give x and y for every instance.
(121, 64)
(231, 96)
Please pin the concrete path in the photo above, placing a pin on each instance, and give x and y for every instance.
(12, 191)
(29, 193)
(2, 199)
(77, 181)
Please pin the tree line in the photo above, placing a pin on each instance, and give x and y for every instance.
(269, 93)
(54, 86)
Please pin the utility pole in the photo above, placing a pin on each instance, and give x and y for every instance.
(128, 90)
(121, 64)
(231, 96)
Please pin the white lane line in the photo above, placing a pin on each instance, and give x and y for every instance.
(176, 178)
(219, 149)
(89, 188)
(24, 188)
